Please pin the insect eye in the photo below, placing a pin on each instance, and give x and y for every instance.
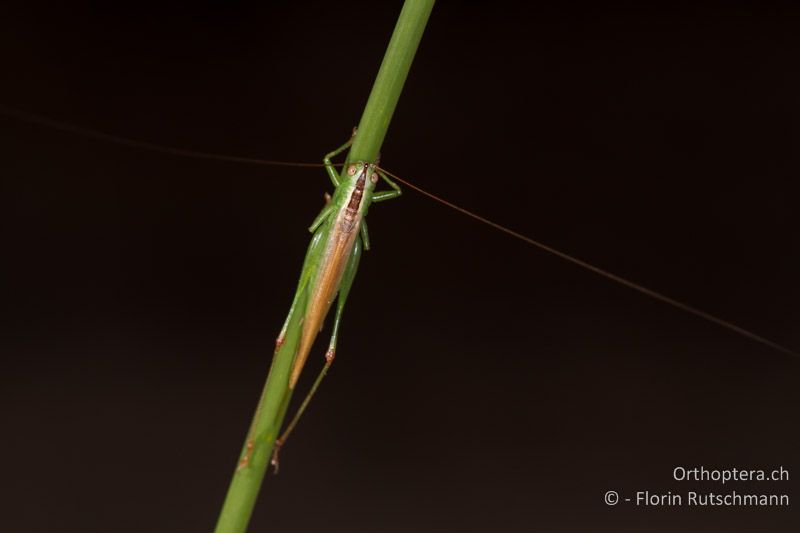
(374, 177)
(351, 170)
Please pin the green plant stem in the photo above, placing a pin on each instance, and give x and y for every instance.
(390, 80)
(271, 409)
(264, 430)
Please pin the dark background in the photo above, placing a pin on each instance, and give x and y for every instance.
(480, 384)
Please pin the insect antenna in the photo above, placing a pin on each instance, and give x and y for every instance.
(153, 147)
(108, 137)
(599, 271)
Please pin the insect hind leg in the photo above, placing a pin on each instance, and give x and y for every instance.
(305, 277)
(344, 290)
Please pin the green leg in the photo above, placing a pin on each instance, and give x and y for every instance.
(314, 249)
(330, 155)
(323, 215)
(380, 196)
(344, 289)
(387, 195)
(364, 234)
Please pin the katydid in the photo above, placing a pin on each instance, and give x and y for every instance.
(339, 236)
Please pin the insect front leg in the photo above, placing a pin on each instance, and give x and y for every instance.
(387, 195)
(330, 155)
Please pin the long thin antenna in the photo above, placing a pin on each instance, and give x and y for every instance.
(95, 134)
(604, 273)
(116, 139)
